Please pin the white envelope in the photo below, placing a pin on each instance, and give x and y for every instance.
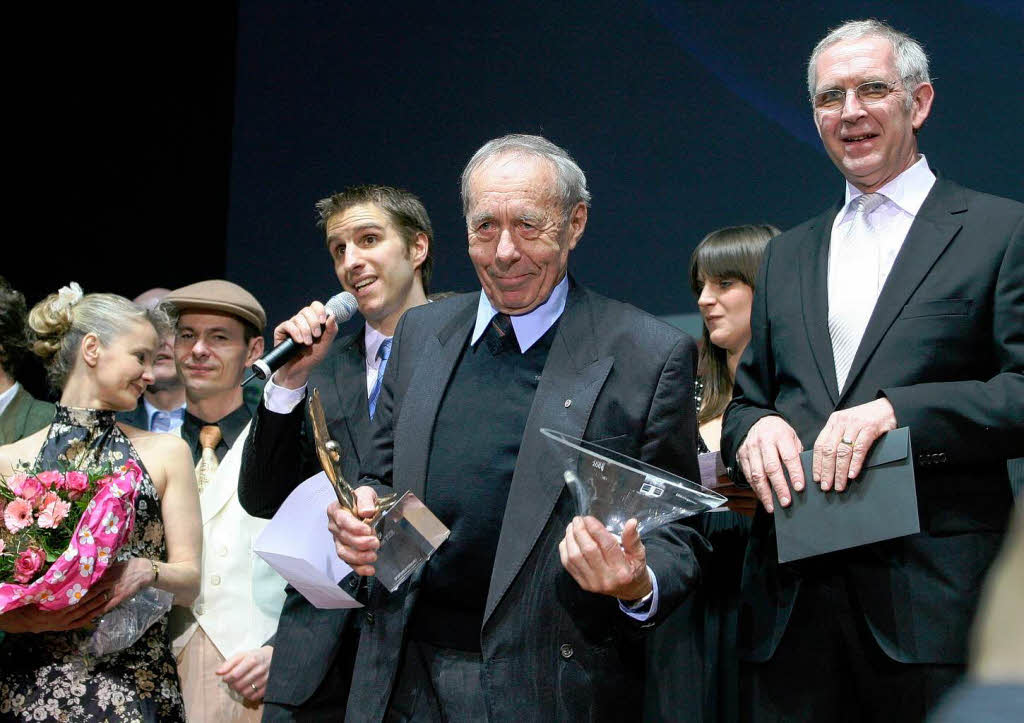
(299, 547)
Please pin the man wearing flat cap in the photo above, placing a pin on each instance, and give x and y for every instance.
(223, 643)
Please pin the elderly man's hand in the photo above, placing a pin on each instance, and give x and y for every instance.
(770, 446)
(841, 447)
(354, 541)
(598, 563)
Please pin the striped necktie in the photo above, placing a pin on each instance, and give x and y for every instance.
(501, 334)
(383, 353)
(853, 284)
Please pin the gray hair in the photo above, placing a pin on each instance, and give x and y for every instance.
(571, 182)
(910, 59)
(59, 325)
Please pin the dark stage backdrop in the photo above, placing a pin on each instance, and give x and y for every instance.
(685, 116)
(164, 144)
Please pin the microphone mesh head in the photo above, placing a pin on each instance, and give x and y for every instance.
(342, 306)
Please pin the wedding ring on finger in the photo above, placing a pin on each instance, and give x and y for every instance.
(847, 441)
(253, 686)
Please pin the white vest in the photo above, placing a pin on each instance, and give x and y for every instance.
(240, 596)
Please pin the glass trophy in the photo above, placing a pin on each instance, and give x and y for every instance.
(615, 488)
(408, 532)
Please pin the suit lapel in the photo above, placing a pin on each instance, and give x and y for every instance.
(434, 369)
(573, 374)
(350, 384)
(935, 226)
(813, 274)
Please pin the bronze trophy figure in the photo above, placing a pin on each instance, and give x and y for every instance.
(408, 532)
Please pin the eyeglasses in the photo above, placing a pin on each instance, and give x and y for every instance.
(874, 91)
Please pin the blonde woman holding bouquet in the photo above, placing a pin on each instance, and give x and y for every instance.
(99, 349)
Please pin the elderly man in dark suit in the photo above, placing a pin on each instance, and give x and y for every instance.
(379, 240)
(899, 306)
(526, 612)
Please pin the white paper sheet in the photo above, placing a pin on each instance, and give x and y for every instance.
(299, 547)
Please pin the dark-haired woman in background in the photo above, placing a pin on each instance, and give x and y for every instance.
(692, 662)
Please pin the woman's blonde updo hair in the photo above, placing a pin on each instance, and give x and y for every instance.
(61, 320)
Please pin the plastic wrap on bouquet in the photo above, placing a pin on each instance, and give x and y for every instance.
(124, 625)
(615, 488)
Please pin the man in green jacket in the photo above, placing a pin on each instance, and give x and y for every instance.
(20, 413)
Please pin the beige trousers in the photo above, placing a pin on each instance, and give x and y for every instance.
(208, 699)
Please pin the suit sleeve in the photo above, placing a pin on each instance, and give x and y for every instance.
(674, 551)
(754, 389)
(977, 420)
(277, 457)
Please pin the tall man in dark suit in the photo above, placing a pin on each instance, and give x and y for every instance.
(900, 306)
(380, 242)
(526, 612)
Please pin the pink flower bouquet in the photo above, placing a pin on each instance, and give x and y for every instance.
(60, 531)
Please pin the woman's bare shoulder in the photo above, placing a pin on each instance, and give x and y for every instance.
(157, 442)
(24, 451)
(156, 447)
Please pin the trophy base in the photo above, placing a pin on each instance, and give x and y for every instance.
(408, 533)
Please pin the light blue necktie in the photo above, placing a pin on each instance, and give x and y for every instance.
(167, 421)
(383, 353)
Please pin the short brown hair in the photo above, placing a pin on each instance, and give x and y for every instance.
(13, 339)
(405, 210)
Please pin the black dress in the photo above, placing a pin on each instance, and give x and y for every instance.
(692, 664)
(45, 677)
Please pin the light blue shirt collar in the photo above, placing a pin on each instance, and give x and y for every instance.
(529, 327)
(175, 416)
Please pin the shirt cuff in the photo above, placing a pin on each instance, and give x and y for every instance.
(281, 400)
(646, 606)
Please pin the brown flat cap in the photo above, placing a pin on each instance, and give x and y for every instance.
(219, 295)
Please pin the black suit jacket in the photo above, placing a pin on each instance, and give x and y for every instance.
(277, 457)
(136, 417)
(945, 345)
(550, 650)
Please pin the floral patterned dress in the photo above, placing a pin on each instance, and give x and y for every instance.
(45, 677)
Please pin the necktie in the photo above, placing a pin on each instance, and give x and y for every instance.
(383, 353)
(500, 334)
(853, 284)
(209, 438)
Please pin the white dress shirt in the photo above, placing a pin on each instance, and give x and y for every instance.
(890, 223)
(6, 397)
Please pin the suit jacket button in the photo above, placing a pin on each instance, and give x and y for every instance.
(568, 403)
(565, 650)
(369, 618)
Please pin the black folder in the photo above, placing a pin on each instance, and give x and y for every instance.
(879, 505)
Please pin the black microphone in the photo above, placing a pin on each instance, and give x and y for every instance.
(341, 306)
